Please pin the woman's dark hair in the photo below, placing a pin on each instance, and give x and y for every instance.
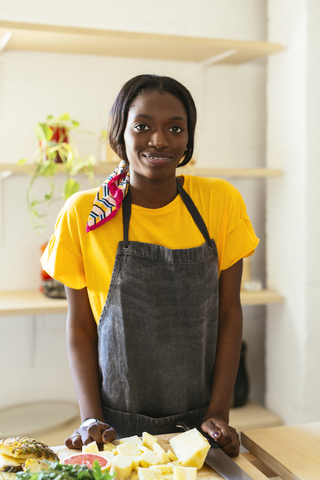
(139, 85)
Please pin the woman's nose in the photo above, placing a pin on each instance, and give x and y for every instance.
(158, 140)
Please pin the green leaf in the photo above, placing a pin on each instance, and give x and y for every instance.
(70, 187)
(64, 116)
(49, 117)
(22, 161)
(48, 169)
(43, 132)
(75, 123)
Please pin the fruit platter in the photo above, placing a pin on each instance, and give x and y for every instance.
(163, 457)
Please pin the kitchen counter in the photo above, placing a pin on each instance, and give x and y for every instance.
(293, 452)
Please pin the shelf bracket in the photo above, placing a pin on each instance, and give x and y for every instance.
(217, 58)
(3, 176)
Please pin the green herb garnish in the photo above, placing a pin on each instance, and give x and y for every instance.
(58, 471)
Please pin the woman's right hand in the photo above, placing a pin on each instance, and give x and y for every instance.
(96, 432)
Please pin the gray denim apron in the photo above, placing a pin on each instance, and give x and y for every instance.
(158, 332)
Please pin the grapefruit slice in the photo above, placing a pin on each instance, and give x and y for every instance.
(88, 459)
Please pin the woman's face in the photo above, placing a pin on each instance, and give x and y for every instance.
(156, 134)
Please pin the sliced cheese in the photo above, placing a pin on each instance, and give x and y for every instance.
(108, 446)
(171, 456)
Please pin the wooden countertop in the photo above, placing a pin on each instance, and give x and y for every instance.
(293, 452)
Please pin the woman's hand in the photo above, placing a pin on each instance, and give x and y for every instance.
(96, 432)
(223, 434)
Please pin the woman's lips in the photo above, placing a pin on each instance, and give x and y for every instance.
(157, 159)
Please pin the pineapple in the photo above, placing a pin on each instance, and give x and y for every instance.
(149, 474)
(128, 449)
(122, 466)
(148, 440)
(191, 448)
(134, 439)
(161, 453)
(171, 456)
(91, 448)
(184, 473)
(23, 448)
(149, 458)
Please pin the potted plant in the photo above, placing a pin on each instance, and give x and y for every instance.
(56, 152)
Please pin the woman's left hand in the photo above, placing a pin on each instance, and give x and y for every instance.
(225, 435)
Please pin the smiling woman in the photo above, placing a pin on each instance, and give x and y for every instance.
(161, 278)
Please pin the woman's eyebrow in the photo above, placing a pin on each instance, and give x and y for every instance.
(144, 115)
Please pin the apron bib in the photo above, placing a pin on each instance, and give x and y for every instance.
(158, 332)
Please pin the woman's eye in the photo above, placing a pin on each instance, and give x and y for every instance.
(141, 126)
(176, 129)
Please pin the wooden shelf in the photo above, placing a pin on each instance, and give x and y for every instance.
(106, 169)
(33, 302)
(62, 39)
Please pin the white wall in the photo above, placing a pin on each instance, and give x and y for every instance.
(231, 133)
(293, 225)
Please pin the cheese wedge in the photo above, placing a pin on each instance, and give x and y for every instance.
(191, 448)
(163, 468)
(108, 446)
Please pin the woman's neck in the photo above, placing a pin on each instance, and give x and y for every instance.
(154, 193)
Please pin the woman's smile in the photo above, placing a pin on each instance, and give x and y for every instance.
(156, 135)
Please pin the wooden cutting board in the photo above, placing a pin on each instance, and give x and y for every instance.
(293, 452)
(206, 473)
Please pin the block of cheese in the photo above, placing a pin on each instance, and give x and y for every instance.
(149, 474)
(91, 448)
(134, 439)
(127, 449)
(191, 448)
(107, 453)
(184, 473)
(149, 458)
(122, 466)
(161, 453)
(148, 440)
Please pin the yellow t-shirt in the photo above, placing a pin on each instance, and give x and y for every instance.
(80, 259)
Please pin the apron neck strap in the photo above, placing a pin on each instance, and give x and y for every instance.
(187, 200)
(194, 212)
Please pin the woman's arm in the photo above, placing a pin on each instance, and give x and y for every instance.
(227, 360)
(82, 343)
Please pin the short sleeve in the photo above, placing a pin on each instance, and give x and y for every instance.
(62, 258)
(240, 239)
